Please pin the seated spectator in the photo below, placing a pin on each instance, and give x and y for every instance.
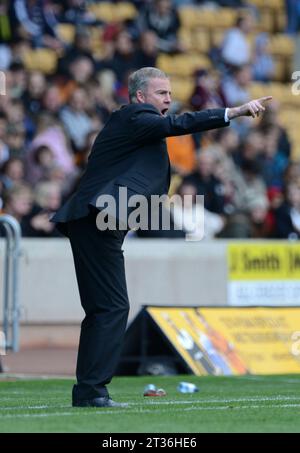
(4, 149)
(122, 61)
(15, 140)
(236, 51)
(18, 201)
(162, 18)
(193, 218)
(36, 21)
(17, 78)
(12, 172)
(75, 12)
(207, 184)
(293, 16)
(271, 119)
(255, 190)
(251, 147)
(75, 119)
(47, 197)
(81, 47)
(147, 51)
(287, 216)
(235, 87)
(49, 134)
(52, 101)
(44, 159)
(263, 65)
(6, 35)
(273, 162)
(32, 98)
(206, 91)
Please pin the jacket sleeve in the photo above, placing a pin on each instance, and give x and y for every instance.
(147, 124)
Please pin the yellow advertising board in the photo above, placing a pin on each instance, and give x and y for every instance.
(233, 341)
(266, 273)
(264, 261)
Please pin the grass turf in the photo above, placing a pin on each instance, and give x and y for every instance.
(223, 404)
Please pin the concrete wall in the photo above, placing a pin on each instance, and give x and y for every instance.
(159, 272)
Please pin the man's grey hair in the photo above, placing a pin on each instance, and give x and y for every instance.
(139, 80)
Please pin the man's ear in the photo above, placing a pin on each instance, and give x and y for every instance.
(140, 97)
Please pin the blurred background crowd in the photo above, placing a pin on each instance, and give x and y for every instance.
(66, 66)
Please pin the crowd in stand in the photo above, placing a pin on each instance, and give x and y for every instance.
(48, 122)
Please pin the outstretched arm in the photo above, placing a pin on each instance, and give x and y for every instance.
(251, 108)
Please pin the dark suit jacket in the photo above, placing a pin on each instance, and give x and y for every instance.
(130, 151)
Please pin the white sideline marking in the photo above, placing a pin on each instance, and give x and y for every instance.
(173, 403)
(161, 403)
(144, 411)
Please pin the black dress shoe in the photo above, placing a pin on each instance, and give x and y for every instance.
(104, 401)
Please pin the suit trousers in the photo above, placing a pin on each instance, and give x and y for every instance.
(100, 272)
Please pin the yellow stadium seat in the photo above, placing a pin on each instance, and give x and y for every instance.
(280, 70)
(266, 22)
(44, 60)
(188, 17)
(102, 11)
(66, 32)
(182, 88)
(201, 40)
(281, 44)
(124, 11)
(110, 12)
(271, 4)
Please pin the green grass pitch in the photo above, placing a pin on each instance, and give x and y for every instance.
(223, 404)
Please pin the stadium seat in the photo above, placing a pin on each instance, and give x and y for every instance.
(282, 44)
(66, 32)
(110, 12)
(44, 60)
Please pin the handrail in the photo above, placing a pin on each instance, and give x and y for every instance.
(11, 308)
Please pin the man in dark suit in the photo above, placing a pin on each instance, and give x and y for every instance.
(130, 152)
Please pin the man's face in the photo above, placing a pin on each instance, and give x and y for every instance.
(157, 93)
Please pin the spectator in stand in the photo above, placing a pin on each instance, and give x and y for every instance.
(81, 47)
(293, 16)
(235, 87)
(146, 54)
(123, 59)
(44, 159)
(287, 216)
(17, 80)
(226, 145)
(206, 91)
(207, 184)
(18, 201)
(271, 119)
(263, 65)
(4, 149)
(15, 140)
(251, 148)
(32, 98)
(35, 20)
(50, 133)
(6, 35)
(75, 119)
(12, 173)
(236, 50)
(76, 12)
(162, 18)
(196, 222)
(47, 197)
(52, 101)
(273, 162)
